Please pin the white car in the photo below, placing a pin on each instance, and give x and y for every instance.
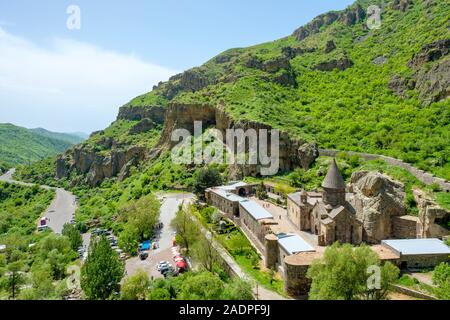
(162, 265)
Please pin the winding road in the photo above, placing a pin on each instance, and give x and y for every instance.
(61, 209)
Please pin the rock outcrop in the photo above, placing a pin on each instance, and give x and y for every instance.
(292, 52)
(293, 152)
(142, 126)
(432, 74)
(315, 25)
(430, 53)
(136, 113)
(330, 46)
(95, 166)
(279, 68)
(109, 158)
(341, 64)
(432, 218)
(401, 5)
(434, 84)
(377, 199)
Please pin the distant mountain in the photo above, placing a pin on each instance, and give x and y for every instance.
(82, 135)
(72, 138)
(20, 145)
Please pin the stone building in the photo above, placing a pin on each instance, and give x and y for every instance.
(418, 253)
(255, 218)
(329, 214)
(226, 198)
(369, 210)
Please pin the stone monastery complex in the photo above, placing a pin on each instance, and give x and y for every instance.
(370, 209)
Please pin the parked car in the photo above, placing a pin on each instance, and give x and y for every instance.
(166, 269)
(143, 255)
(162, 264)
(42, 228)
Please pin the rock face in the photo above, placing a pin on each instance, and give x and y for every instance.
(330, 46)
(353, 16)
(341, 64)
(430, 53)
(315, 25)
(116, 159)
(380, 60)
(434, 84)
(292, 52)
(432, 218)
(432, 74)
(401, 5)
(95, 166)
(142, 126)
(280, 68)
(293, 153)
(132, 113)
(377, 199)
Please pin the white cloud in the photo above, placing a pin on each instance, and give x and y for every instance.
(69, 85)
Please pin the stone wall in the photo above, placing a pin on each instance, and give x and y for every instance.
(423, 261)
(423, 176)
(404, 227)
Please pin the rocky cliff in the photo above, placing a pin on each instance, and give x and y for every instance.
(378, 199)
(116, 159)
(433, 220)
(293, 152)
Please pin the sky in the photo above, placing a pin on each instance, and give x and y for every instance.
(74, 80)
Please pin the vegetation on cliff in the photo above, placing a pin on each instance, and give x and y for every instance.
(375, 104)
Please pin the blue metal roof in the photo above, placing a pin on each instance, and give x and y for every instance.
(418, 246)
(255, 210)
(293, 244)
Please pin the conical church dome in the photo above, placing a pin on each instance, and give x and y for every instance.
(334, 179)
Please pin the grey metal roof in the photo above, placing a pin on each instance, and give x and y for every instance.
(418, 246)
(228, 195)
(233, 186)
(334, 179)
(255, 210)
(293, 244)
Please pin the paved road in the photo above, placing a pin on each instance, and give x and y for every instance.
(61, 209)
(169, 209)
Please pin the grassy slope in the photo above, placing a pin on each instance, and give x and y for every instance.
(21, 146)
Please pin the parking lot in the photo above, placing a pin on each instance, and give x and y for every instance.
(169, 209)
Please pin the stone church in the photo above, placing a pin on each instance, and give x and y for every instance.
(363, 212)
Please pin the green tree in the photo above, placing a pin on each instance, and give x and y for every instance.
(205, 253)
(238, 289)
(159, 294)
(14, 278)
(441, 278)
(261, 192)
(202, 286)
(57, 252)
(143, 215)
(206, 178)
(128, 239)
(71, 232)
(135, 287)
(187, 230)
(343, 274)
(102, 271)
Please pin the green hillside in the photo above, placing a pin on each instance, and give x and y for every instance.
(336, 82)
(74, 138)
(22, 146)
